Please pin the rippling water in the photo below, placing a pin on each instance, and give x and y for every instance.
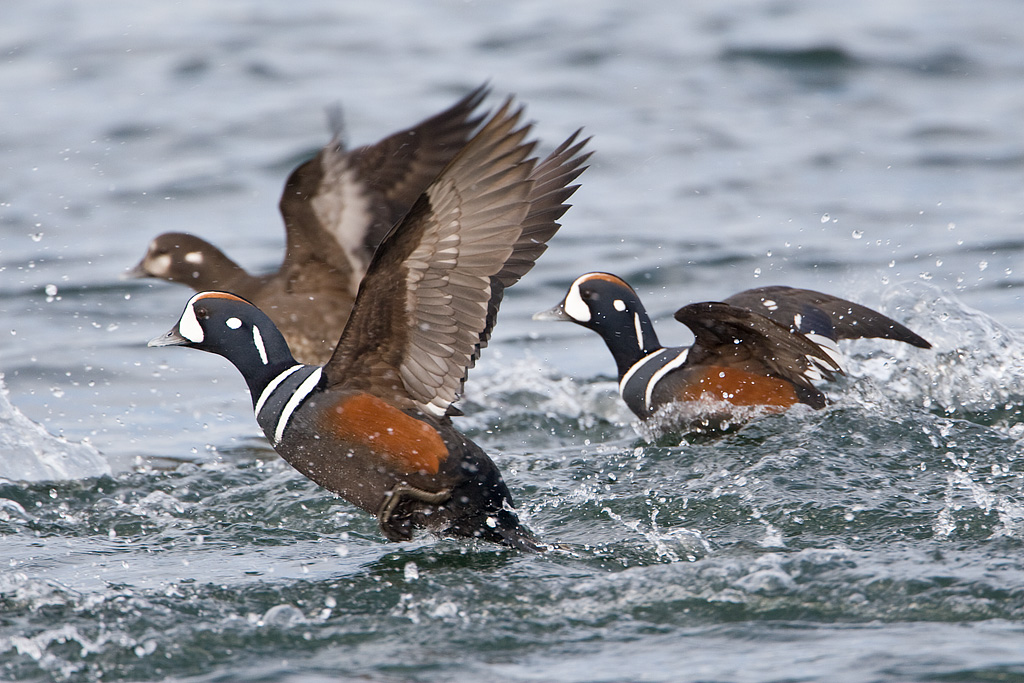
(871, 150)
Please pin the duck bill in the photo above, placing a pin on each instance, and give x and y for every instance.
(554, 313)
(136, 272)
(171, 338)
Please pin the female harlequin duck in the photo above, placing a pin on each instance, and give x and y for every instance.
(374, 423)
(337, 207)
(761, 347)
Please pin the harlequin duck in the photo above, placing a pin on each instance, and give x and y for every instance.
(337, 207)
(761, 347)
(374, 424)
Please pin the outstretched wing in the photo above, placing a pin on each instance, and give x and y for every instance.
(789, 306)
(737, 337)
(429, 299)
(339, 205)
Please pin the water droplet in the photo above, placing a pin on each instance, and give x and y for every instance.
(982, 265)
(825, 218)
(36, 236)
(57, 392)
(757, 272)
(857, 234)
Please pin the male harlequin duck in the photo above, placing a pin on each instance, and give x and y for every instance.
(337, 207)
(761, 347)
(374, 423)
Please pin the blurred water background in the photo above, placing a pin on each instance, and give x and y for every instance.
(872, 150)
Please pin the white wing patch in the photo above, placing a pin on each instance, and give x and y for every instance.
(344, 211)
(830, 360)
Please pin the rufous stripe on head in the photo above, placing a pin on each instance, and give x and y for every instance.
(218, 295)
(606, 277)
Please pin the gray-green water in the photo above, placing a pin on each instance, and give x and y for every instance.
(871, 150)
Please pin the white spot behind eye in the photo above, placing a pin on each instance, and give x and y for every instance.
(619, 305)
(194, 257)
(233, 323)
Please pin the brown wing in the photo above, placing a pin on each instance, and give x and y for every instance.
(397, 170)
(338, 206)
(429, 298)
(547, 200)
(736, 337)
(785, 305)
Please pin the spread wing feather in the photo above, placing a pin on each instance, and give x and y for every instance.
(785, 305)
(429, 299)
(339, 205)
(756, 343)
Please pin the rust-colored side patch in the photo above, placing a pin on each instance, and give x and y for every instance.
(741, 388)
(406, 442)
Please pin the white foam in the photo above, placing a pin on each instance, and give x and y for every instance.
(30, 453)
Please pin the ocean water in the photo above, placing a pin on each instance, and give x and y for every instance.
(872, 150)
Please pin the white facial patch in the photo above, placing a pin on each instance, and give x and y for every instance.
(189, 326)
(258, 341)
(194, 257)
(619, 305)
(574, 306)
(233, 323)
(160, 265)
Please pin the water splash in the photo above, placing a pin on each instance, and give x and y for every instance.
(30, 453)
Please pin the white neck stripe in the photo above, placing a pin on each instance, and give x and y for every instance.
(656, 377)
(636, 366)
(274, 383)
(298, 397)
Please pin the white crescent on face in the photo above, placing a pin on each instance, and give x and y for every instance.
(575, 307)
(189, 326)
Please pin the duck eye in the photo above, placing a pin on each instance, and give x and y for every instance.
(202, 312)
